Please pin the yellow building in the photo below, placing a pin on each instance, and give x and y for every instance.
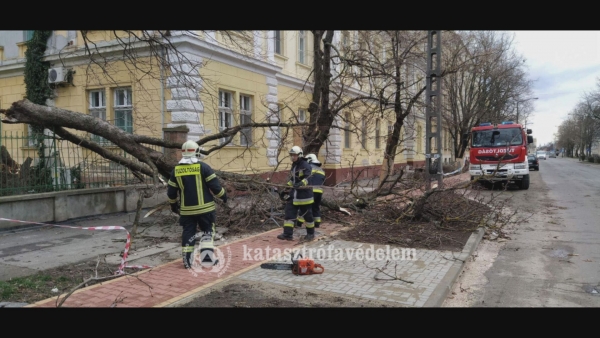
(215, 80)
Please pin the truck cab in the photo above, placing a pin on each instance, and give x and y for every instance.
(498, 153)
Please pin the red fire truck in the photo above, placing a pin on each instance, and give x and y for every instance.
(498, 153)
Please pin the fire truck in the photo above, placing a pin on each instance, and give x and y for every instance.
(498, 153)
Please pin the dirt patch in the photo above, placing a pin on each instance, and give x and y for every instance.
(40, 286)
(385, 224)
(422, 235)
(261, 294)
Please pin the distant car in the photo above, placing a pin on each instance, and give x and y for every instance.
(534, 163)
(541, 155)
(551, 154)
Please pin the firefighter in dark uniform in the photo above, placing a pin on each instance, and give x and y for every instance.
(195, 182)
(300, 201)
(316, 179)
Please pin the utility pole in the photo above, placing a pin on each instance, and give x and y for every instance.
(433, 109)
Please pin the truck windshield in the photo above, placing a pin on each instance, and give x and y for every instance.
(497, 138)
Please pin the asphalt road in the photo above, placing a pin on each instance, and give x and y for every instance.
(28, 251)
(553, 259)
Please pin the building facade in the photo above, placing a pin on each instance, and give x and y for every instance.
(213, 80)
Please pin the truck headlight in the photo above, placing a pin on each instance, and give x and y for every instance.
(520, 166)
(475, 167)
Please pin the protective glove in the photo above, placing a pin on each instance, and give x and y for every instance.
(298, 184)
(224, 199)
(284, 194)
(175, 208)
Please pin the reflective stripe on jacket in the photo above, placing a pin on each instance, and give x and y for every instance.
(317, 178)
(196, 184)
(301, 172)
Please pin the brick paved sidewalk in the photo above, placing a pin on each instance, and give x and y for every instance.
(171, 282)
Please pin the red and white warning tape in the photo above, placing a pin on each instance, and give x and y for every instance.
(111, 227)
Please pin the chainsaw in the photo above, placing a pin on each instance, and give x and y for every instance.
(299, 266)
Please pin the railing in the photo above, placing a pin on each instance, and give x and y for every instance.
(46, 163)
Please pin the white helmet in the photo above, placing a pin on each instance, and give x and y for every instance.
(312, 158)
(296, 150)
(190, 149)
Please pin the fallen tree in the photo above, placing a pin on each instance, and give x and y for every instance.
(151, 163)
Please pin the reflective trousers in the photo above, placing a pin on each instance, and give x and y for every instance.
(190, 224)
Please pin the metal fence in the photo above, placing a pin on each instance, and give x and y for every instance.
(47, 163)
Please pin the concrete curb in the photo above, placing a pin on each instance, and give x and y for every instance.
(438, 296)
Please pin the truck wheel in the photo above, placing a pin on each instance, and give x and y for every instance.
(524, 182)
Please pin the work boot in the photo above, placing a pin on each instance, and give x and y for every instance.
(317, 224)
(188, 260)
(309, 237)
(288, 234)
(310, 234)
(298, 224)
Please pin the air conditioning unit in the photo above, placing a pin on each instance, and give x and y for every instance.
(57, 75)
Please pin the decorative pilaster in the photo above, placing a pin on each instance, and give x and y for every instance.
(332, 152)
(185, 85)
(272, 133)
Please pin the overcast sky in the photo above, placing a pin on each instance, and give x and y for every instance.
(564, 65)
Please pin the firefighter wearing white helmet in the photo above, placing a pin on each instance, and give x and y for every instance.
(197, 186)
(300, 200)
(316, 179)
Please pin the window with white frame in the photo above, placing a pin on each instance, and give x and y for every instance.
(245, 118)
(377, 134)
(347, 137)
(27, 35)
(97, 108)
(31, 142)
(225, 112)
(362, 47)
(444, 135)
(123, 108)
(363, 139)
(279, 42)
(345, 42)
(419, 141)
(301, 115)
(301, 46)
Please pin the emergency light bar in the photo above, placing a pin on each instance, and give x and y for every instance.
(508, 122)
(485, 124)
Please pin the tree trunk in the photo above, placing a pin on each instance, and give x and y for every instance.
(321, 115)
(138, 211)
(6, 159)
(389, 156)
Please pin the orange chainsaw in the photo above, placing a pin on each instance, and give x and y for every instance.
(299, 266)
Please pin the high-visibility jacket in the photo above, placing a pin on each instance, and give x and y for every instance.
(300, 172)
(317, 178)
(196, 184)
